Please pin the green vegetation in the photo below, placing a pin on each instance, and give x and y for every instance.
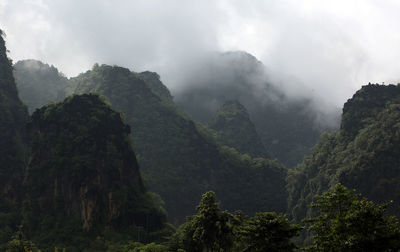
(188, 160)
(214, 230)
(233, 128)
(153, 81)
(343, 222)
(83, 177)
(13, 150)
(72, 181)
(39, 84)
(364, 154)
(347, 223)
(269, 231)
(287, 127)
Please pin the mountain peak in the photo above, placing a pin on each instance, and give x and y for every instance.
(367, 102)
(83, 165)
(235, 129)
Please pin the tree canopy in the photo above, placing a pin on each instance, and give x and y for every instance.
(348, 223)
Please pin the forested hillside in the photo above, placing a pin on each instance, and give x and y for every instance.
(83, 176)
(199, 126)
(179, 160)
(233, 128)
(287, 127)
(76, 182)
(68, 174)
(364, 154)
(38, 83)
(13, 149)
(153, 81)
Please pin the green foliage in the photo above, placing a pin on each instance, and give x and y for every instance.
(287, 127)
(365, 104)
(250, 184)
(214, 230)
(269, 231)
(151, 247)
(39, 84)
(235, 129)
(188, 161)
(19, 243)
(153, 81)
(209, 230)
(83, 177)
(13, 149)
(364, 154)
(347, 223)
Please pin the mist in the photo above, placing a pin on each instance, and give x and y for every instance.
(311, 49)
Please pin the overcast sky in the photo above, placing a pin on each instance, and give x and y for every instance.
(329, 47)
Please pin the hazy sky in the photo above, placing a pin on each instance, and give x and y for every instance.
(329, 47)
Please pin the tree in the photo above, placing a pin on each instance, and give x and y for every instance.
(19, 243)
(212, 228)
(270, 231)
(347, 223)
(209, 230)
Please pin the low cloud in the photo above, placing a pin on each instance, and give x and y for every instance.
(310, 48)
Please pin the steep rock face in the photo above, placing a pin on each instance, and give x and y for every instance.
(164, 141)
(83, 167)
(235, 129)
(13, 117)
(39, 83)
(364, 154)
(179, 160)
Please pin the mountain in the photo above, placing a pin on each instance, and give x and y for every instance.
(39, 83)
(153, 81)
(83, 177)
(13, 150)
(286, 126)
(364, 154)
(233, 128)
(179, 159)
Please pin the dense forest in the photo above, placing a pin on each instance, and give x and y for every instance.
(363, 154)
(189, 160)
(107, 161)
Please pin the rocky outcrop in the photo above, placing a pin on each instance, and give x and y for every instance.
(83, 165)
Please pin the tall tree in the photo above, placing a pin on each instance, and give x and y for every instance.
(347, 223)
(209, 230)
(270, 231)
(212, 228)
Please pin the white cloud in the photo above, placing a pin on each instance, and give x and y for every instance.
(330, 47)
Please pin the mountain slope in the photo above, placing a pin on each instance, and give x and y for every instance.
(286, 126)
(83, 175)
(364, 154)
(153, 81)
(179, 160)
(13, 117)
(39, 83)
(233, 127)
